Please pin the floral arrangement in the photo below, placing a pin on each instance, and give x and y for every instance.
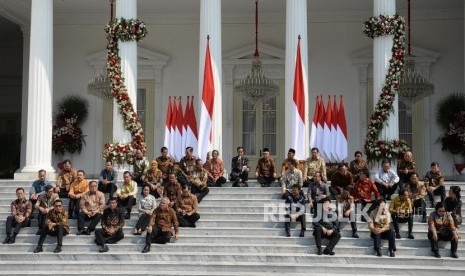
(454, 138)
(67, 135)
(374, 149)
(124, 30)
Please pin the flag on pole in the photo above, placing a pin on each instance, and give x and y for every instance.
(327, 132)
(173, 130)
(191, 133)
(298, 109)
(334, 118)
(179, 133)
(185, 122)
(314, 124)
(320, 126)
(169, 114)
(341, 142)
(206, 108)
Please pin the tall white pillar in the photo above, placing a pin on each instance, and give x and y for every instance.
(210, 25)
(26, 30)
(296, 24)
(382, 47)
(128, 54)
(40, 92)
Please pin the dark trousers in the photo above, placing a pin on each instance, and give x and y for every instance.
(108, 188)
(419, 207)
(334, 192)
(94, 220)
(188, 221)
(396, 220)
(445, 235)
(127, 203)
(102, 237)
(439, 191)
(239, 177)
(41, 220)
(218, 183)
(63, 193)
(12, 224)
(73, 208)
(265, 180)
(386, 235)
(182, 180)
(143, 221)
(200, 194)
(59, 232)
(301, 218)
(333, 238)
(386, 192)
(353, 224)
(158, 236)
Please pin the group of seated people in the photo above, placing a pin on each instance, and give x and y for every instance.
(181, 187)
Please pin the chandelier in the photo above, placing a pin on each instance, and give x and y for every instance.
(256, 87)
(413, 85)
(100, 85)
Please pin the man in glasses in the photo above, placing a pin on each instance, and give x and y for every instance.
(56, 224)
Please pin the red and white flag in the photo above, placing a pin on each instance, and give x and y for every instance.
(334, 118)
(298, 110)
(179, 132)
(313, 131)
(191, 134)
(341, 141)
(185, 123)
(169, 114)
(326, 152)
(206, 108)
(172, 148)
(321, 123)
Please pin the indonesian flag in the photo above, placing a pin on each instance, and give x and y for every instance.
(173, 130)
(179, 132)
(327, 132)
(191, 134)
(185, 122)
(320, 127)
(298, 110)
(341, 141)
(169, 114)
(313, 131)
(206, 108)
(334, 118)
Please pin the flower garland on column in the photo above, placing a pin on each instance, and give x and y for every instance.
(124, 30)
(377, 150)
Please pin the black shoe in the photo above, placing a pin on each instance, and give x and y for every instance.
(378, 253)
(80, 232)
(318, 252)
(39, 232)
(392, 254)
(12, 239)
(103, 249)
(328, 252)
(410, 236)
(454, 255)
(57, 249)
(146, 249)
(7, 240)
(436, 254)
(38, 249)
(235, 184)
(398, 236)
(432, 204)
(302, 233)
(355, 235)
(127, 216)
(245, 184)
(388, 198)
(288, 233)
(423, 220)
(87, 232)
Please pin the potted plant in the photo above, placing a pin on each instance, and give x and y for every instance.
(451, 118)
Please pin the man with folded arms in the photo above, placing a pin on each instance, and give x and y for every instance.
(21, 210)
(186, 208)
(92, 204)
(112, 226)
(56, 224)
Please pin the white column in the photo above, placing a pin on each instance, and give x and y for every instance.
(26, 30)
(210, 24)
(40, 92)
(381, 54)
(296, 24)
(128, 54)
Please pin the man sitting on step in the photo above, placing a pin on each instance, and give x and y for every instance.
(215, 169)
(240, 167)
(92, 204)
(266, 169)
(64, 179)
(198, 181)
(186, 208)
(380, 227)
(76, 190)
(112, 226)
(172, 190)
(326, 228)
(291, 176)
(159, 230)
(44, 205)
(127, 193)
(295, 209)
(107, 179)
(56, 224)
(401, 212)
(38, 187)
(434, 180)
(21, 210)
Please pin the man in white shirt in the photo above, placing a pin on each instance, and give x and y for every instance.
(386, 180)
